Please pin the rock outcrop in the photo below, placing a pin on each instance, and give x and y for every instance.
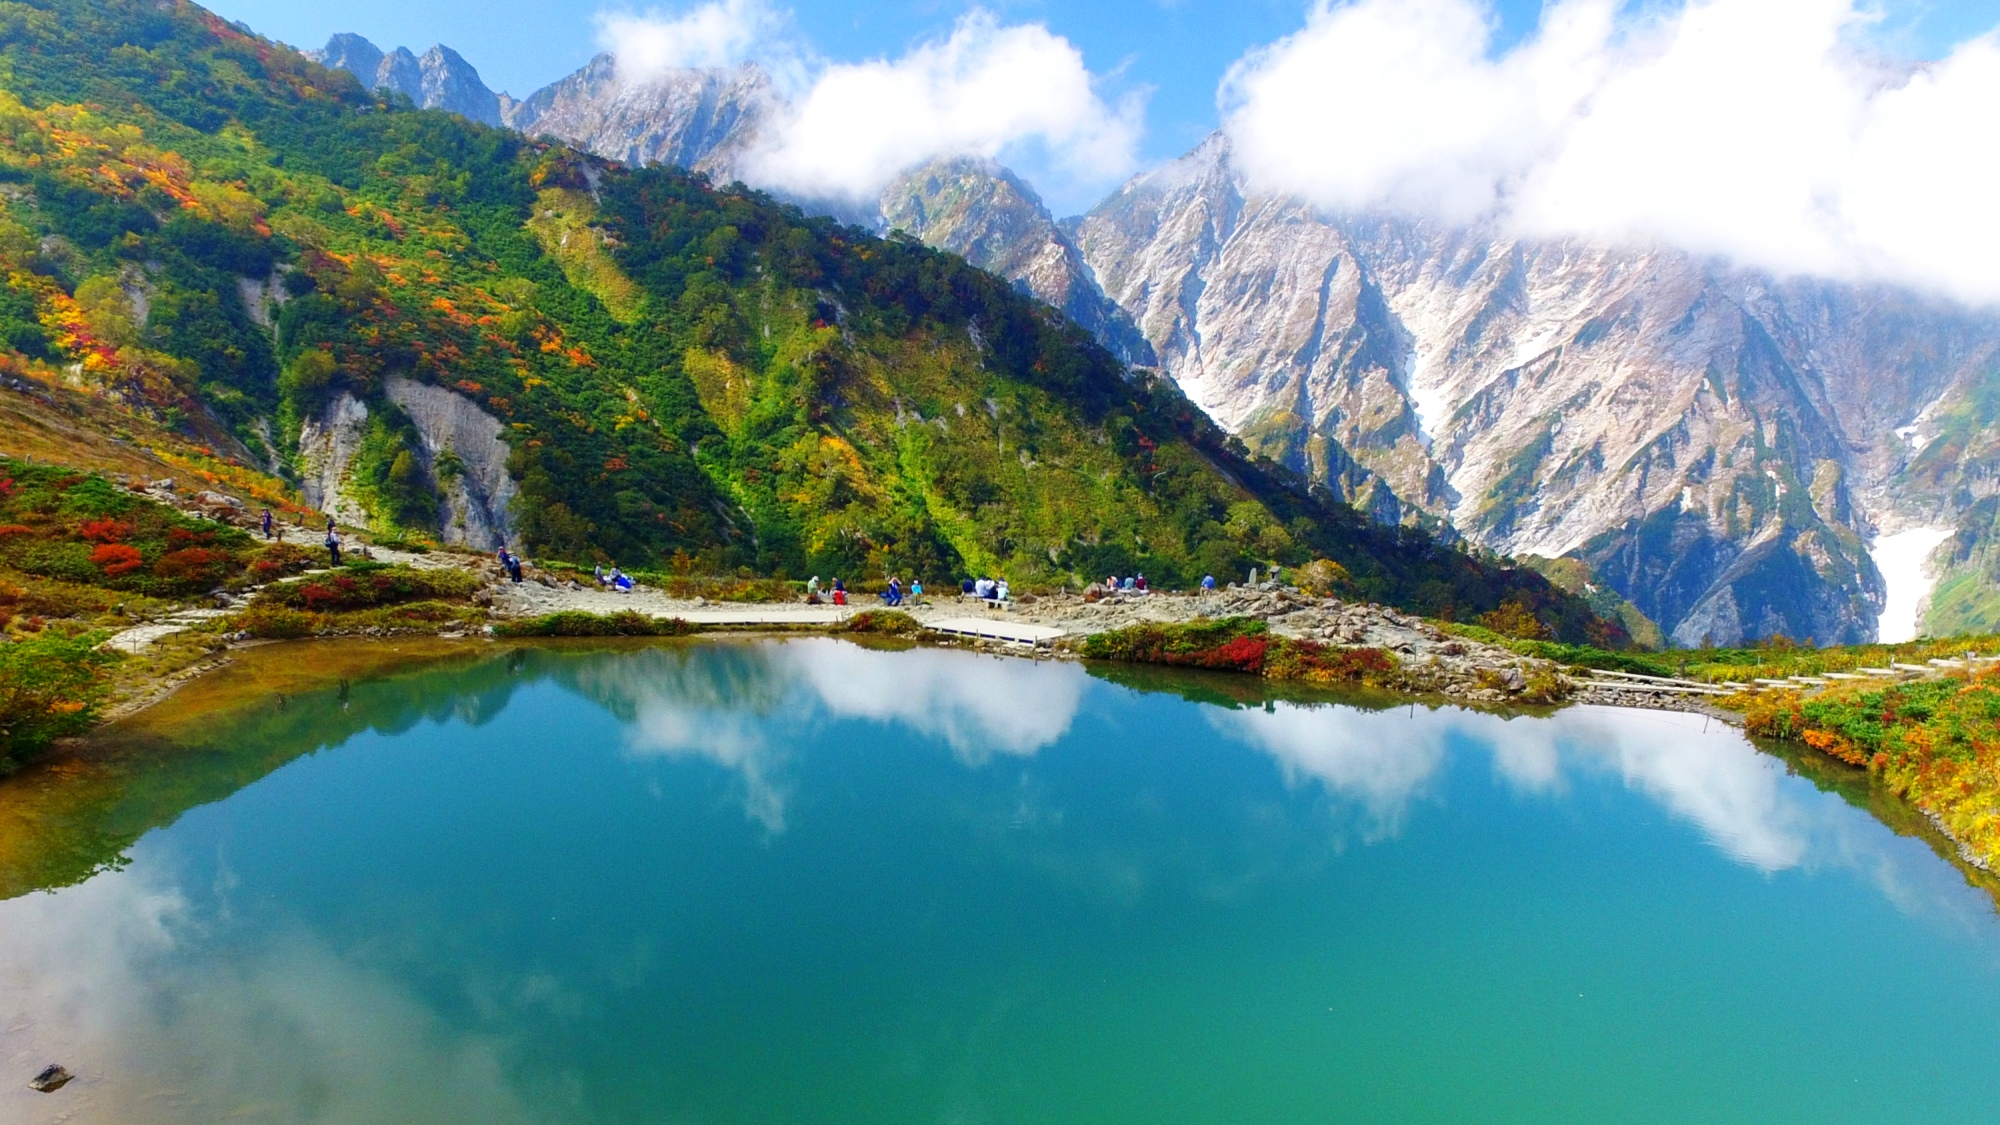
(466, 456)
(327, 445)
(990, 217)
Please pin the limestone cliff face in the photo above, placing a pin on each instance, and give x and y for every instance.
(327, 445)
(1719, 445)
(985, 214)
(462, 451)
(465, 455)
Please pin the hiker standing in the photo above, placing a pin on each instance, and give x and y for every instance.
(333, 542)
(267, 523)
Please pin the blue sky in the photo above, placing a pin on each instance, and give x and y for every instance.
(1177, 49)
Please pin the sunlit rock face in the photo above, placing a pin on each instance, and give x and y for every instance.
(327, 445)
(466, 456)
(987, 215)
(1719, 445)
(702, 120)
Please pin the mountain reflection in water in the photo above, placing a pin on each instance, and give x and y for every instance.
(810, 879)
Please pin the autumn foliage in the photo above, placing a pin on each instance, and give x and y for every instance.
(1242, 644)
(1934, 741)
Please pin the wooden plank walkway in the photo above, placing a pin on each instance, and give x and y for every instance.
(985, 628)
(766, 615)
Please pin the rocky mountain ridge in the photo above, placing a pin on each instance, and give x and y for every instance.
(708, 121)
(1720, 446)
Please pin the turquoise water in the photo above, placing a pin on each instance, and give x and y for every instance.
(812, 882)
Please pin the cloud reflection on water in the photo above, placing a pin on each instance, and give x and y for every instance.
(743, 707)
(1699, 770)
(1702, 772)
(166, 1021)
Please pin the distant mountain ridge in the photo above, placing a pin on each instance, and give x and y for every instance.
(445, 329)
(707, 120)
(1720, 446)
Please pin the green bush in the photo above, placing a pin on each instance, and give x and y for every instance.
(886, 621)
(50, 686)
(367, 585)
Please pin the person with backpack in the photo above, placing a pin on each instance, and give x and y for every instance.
(267, 523)
(332, 541)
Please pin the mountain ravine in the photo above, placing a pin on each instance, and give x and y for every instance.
(1721, 447)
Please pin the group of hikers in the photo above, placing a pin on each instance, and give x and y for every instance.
(986, 589)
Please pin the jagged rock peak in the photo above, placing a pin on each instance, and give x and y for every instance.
(701, 119)
(441, 79)
(981, 211)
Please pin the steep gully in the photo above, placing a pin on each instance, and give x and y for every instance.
(1739, 455)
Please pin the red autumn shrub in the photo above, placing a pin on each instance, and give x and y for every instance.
(104, 530)
(115, 559)
(7, 529)
(179, 537)
(193, 564)
(1244, 654)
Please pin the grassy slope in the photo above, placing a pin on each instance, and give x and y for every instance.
(680, 369)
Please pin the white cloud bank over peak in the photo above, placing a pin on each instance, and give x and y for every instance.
(845, 129)
(1752, 129)
(981, 91)
(716, 34)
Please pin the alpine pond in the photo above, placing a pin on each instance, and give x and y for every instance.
(809, 880)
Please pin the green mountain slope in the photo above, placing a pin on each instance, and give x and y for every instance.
(210, 228)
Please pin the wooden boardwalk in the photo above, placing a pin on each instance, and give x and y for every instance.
(985, 628)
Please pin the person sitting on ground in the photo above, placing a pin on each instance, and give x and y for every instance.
(620, 581)
(1128, 584)
(1000, 590)
(1208, 583)
(1111, 582)
(968, 587)
(812, 590)
(839, 592)
(1141, 580)
(984, 588)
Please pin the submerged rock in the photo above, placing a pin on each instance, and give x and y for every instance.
(51, 1079)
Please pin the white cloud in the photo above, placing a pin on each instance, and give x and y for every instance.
(716, 34)
(982, 91)
(1752, 129)
(844, 130)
